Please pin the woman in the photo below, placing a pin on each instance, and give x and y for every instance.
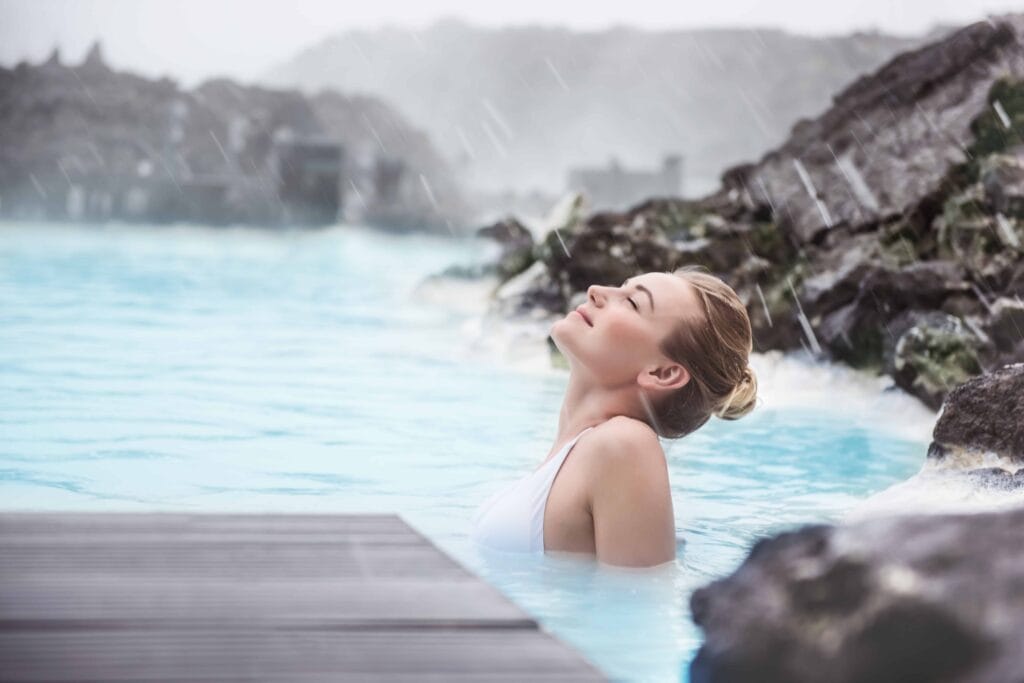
(654, 357)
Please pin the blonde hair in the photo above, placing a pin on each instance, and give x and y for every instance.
(714, 348)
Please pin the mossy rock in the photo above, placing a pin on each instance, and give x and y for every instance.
(1002, 178)
(902, 241)
(550, 250)
(966, 230)
(768, 241)
(674, 218)
(514, 263)
(991, 135)
(901, 252)
(966, 206)
(933, 357)
(778, 296)
(856, 334)
(779, 328)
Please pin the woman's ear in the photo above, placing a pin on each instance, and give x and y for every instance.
(664, 377)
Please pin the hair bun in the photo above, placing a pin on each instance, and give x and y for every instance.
(742, 398)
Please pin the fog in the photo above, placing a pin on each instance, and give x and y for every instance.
(510, 106)
(195, 40)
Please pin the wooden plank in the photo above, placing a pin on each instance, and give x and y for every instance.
(239, 546)
(158, 522)
(114, 597)
(239, 560)
(326, 602)
(447, 654)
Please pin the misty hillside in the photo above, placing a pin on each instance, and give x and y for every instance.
(72, 131)
(518, 106)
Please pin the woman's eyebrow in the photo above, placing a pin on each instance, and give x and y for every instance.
(645, 291)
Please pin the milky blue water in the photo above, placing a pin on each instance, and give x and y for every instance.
(193, 369)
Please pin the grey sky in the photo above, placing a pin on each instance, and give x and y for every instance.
(192, 39)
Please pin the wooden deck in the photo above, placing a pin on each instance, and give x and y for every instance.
(113, 597)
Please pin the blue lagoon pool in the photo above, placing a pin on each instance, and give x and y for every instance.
(194, 369)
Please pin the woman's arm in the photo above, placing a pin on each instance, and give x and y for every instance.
(629, 496)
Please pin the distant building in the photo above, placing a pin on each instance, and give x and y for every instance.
(390, 181)
(309, 172)
(614, 187)
(402, 199)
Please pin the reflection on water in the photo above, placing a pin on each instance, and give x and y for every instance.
(192, 369)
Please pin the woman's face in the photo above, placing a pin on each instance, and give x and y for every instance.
(615, 335)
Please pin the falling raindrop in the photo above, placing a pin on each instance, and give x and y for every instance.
(470, 152)
(855, 180)
(359, 195)
(856, 139)
(560, 241)
(494, 139)
(757, 34)
(502, 125)
(764, 304)
(224, 154)
(1009, 235)
(707, 53)
(948, 135)
(978, 332)
(804, 322)
(415, 38)
(88, 92)
(558, 76)
(426, 188)
(1001, 113)
(867, 126)
(765, 128)
(170, 174)
(60, 165)
(36, 184)
(362, 53)
(373, 130)
(767, 195)
(805, 178)
(981, 297)
(96, 154)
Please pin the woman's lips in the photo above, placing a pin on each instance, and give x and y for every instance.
(584, 316)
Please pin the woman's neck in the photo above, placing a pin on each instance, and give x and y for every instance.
(588, 404)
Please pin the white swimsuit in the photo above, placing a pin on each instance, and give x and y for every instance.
(512, 520)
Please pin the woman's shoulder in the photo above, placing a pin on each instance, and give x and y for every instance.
(629, 496)
(624, 442)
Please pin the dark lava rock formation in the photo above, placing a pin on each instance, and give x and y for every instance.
(900, 599)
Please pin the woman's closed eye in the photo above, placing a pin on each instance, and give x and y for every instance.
(629, 299)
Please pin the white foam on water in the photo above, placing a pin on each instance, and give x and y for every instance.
(945, 486)
(484, 333)
(930, 492)
(468, 296)
(794, 380)
(519, 342)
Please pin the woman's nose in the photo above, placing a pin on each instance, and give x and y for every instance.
(595, 293)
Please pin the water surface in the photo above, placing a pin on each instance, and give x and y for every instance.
(195, 369)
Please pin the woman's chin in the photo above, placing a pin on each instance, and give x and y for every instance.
(559, 331)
